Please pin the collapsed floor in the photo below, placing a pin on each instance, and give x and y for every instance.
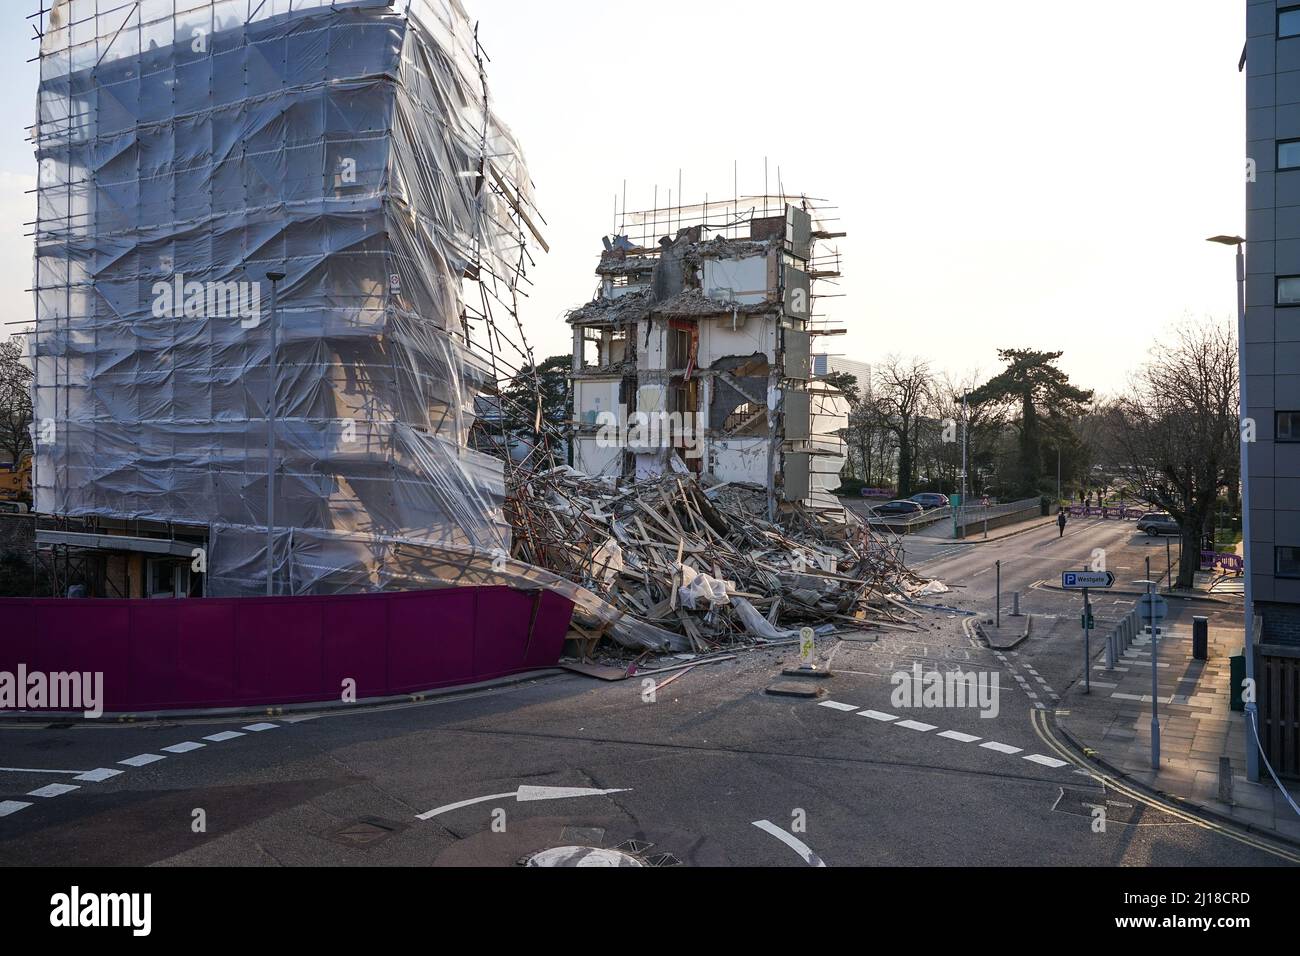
(704, 563)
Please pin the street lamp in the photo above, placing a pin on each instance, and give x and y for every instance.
(1155, 672)
(1252, 749)
(271, 375)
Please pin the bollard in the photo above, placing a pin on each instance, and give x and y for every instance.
(1015, 603)
(1225, 780)
(1200, 638)
(1111, 643)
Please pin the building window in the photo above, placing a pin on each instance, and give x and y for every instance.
(1288, 154)
(1288, 562)
(1287, 427)
(168, 579)
(1288, 22)
(1288, 290)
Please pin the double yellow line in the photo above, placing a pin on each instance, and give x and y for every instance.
(1038, 718)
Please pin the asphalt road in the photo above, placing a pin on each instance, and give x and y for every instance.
(712, 771)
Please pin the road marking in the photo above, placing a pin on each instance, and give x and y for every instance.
(1044, 732)
(790, 840)
(877, 715)
(835, 705)
(224, 735)
(142, 759)
(958, 736)
(98, 775)
(11, 806)
(1045, 761)
(36, 770)
(915, 725)
(183, 748)
(53, 790)
(258, 728)
(523, 795)
(1001, 748)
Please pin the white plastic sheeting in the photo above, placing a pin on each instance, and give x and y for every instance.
(193, 147)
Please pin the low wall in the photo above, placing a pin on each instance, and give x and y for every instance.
(976, 528)
(240, 652)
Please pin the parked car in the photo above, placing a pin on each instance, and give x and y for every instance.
(1158, 522)
(929, 500)
(899, 509)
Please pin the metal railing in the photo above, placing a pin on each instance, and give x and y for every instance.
(967, 515)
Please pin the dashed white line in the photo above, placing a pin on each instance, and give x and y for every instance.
(915, 725)
(141, 760)
(11, 806)
(53, 790)
(183, 748)
(98, 775)
(836, 705)
(877, 715)
(958, 736)
(258, 728)
(224, 735)
(1045, 761)
(1001, 748)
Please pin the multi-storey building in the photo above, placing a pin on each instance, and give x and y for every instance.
(701, 340)
(1271, 358)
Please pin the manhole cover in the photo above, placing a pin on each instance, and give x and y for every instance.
(582, 856)
(364, 832)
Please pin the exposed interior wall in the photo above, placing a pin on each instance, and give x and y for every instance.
(738, 459)
(744, 281)
(592, 397)
(724, 336)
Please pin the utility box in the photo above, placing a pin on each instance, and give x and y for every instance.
(1201, 638)
(1238, 678)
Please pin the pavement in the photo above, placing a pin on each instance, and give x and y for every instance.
(1197, 726)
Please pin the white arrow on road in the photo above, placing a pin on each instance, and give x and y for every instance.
(523, 795)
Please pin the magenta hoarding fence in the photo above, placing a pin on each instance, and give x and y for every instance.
(243, 652)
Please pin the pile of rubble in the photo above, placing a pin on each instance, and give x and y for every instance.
(706, 564)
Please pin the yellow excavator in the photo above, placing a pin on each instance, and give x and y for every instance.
(16, 480)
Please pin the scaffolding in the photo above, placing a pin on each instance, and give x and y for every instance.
(189, 150)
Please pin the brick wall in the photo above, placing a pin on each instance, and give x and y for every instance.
(1281, 622)
(17, 537)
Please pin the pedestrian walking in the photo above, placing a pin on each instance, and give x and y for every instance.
(1060, 522)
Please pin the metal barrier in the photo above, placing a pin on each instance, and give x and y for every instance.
(1121, 638)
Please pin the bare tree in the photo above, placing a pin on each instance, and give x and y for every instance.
(15, 400)
(903, 391)
(1176, 430)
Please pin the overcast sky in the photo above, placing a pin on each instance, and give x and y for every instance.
(1011, 173)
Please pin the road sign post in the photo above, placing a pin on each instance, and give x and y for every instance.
(1087, 654)
(1082, 581)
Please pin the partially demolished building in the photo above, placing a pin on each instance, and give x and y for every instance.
(277, 247)
(695, 353)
